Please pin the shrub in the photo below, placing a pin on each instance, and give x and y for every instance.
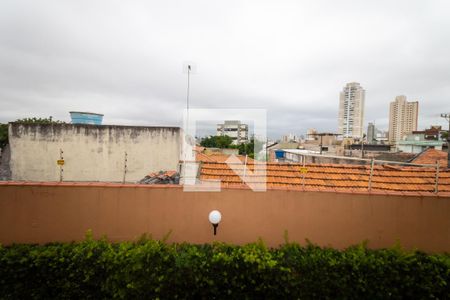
(154, 269)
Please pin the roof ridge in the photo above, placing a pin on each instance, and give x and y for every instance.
(419, 155)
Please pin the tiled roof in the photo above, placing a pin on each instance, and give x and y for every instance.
(199, 148)
(397, 156)
(332, 177)
(220, 158)
(430, 156)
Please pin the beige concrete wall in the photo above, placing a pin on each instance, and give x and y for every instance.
(33, 213)
(91, 153)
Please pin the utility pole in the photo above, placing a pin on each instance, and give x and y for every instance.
(362, 148)
(321, 144)
(362, 145)
(447, 117)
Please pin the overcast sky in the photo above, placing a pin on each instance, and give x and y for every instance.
(125, 59)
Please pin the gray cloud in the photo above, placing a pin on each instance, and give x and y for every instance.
(291, 57)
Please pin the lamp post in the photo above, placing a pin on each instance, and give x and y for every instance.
(447, 117)
(214, 217)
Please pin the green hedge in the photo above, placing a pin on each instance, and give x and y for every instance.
(153, 269)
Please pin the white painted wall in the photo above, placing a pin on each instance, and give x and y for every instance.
(412, 148)
(91, 152)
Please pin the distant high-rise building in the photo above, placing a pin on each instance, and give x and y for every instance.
(403, 116)
(351, 111)
(371, 131)
(311, 134)
(289, 138)
(382, 136)
(234, 129)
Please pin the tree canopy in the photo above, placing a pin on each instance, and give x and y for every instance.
(3, 135)
(248, 148)
(251, 147)
(216, 141)
(42, 121)
(34, 120)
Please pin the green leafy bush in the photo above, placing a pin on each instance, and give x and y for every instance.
(153, 269)
(34, 120)
(40, 121)
(216, 141)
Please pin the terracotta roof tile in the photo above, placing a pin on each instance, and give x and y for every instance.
(430, 156)
(218, 157)
(351, 178)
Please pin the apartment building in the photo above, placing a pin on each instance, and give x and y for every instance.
(371, 130)
(403, 118)
(234, 129)
(351, 111)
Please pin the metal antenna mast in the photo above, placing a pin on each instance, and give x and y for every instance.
(447, 117)
(190, 68)
(187, 96)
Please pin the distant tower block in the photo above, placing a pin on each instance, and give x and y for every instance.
(79, 117)
(351, 111)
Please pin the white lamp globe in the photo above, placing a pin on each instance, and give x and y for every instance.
(215, 216)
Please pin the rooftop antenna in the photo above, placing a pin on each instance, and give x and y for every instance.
(189, 68)
(447, 118)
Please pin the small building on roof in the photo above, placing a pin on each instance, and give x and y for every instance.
(416, 143)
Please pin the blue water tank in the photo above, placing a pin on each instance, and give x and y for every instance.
(279, 154)
(79, 117)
